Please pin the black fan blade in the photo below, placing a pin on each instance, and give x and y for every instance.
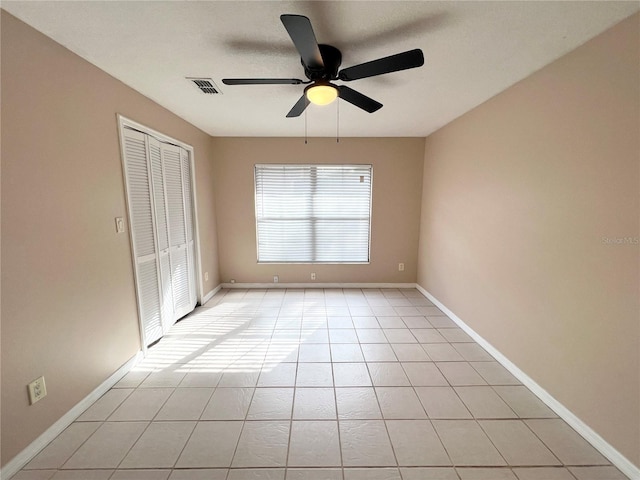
(262, 81)
(358, 99)
(301, 32)
(393, 63)
(299, 107)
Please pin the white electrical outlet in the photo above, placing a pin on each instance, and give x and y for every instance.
(206, 276)
(313, 276)
(37, 390)
(276, 279)
(401, 267)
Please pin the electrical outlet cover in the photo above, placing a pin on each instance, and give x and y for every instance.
(37, 390)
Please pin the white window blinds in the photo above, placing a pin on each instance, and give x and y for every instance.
(313, 213)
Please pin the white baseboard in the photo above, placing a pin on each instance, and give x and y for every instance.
(318, 285)
(210, 295)
(599, 443)
(16, 463)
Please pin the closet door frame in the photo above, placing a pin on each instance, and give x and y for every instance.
(123, 123)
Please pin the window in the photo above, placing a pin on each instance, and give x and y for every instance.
(313, 213)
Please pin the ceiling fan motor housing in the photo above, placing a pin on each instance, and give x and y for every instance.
(332, 58)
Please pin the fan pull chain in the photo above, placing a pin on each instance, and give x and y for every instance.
(305, 126)
(338, 121)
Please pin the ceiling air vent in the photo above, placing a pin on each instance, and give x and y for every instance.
(205, 85)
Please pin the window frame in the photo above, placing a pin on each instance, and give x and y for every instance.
(313, 165)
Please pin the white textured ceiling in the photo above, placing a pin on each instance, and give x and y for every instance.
(473, 51)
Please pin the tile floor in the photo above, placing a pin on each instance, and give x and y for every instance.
(318, 385)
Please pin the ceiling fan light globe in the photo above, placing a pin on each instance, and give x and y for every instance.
(322, 94)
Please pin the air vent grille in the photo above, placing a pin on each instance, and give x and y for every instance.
(205, 85)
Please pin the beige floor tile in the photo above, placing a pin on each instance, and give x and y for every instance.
(141, 474)
(565, 443)
(442, 352)
(314, 352)
(262, 444)
(351, 375)
(82, 475)
(278, 375)
(142, 404)
(416, 322)
(386, 374)
(399, 403)
(314, 375)
(517, 444)
(357, 404)
(185, 404)
(441, 322)
(371, 335)
(63, 446)
(228, 404)
(428, 335)
(212, 444)
(442, 403)
(416, 443)
(107, 446)
(239, 378)
(390, 321)
(543, 473)
(201, 379)
(524, 403)
(39, 475)
(346, 352)
(314, 444)
(378, 352)
(257, 474)
(365, 443)
(314, 404)
(460, 373)
(422, 473)
(342, 335)
(105, 405)
(597, 473)
(410, 352)
(494, 373)
(340, 322)
(271, 403)
(456, 335)
(163, 379)
(399, 335)
(371, 474)
(424, 374)
(365, 322)
(497, 473)
(159, 446)
(314, 474)
(484, 402)
(472, 352)
(199, 474)
(467, 444)
(318, 335)
(132, 379)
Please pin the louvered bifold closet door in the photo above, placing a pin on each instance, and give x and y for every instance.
(188, 202)
(143, 235)
(162, 231)
(179, 252)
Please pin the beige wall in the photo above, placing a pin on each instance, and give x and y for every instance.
(397, 180)
(68, 301)
(518, 196)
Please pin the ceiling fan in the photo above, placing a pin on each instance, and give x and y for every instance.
(321, 63)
